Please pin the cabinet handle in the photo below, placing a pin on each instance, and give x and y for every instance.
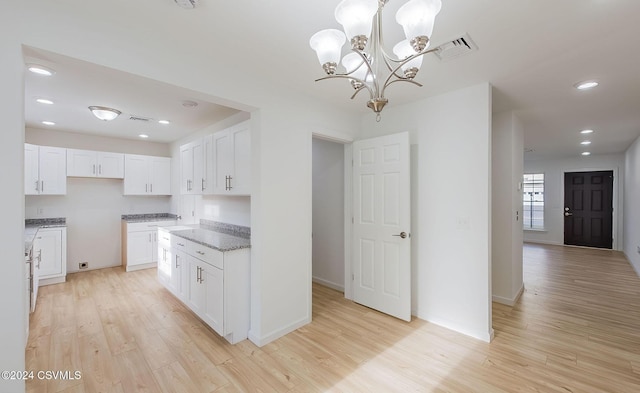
(94, 169)
(198, 274)
(200, 252)
(177, 264)
(100, 169)
(41, 185)
(151, 187)
(149, 238)
(203, 185)
(37, 185)
(146, 188)
(155, 236)
(181, 244)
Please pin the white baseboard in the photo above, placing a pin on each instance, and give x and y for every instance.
(509, 302)
(328, 284)
(132, 268)
(50, 281)
(266, 339)
(477, 334)
(552, 243)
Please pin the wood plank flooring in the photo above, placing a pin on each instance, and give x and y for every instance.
(576, 329)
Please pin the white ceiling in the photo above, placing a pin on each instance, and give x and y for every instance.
(532, 52)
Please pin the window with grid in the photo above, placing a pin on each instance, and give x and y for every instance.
(533, 201)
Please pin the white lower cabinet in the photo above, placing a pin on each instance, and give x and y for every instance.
(213, 284)
(50, 255)
(140, 244)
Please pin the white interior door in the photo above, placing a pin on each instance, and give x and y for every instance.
(382, 220)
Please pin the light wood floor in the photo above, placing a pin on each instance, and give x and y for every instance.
(576, 329)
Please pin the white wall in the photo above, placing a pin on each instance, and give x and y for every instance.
(507, 234)
(631, 205)
(453, 225)
(13, 286)
(328, 214)
(554, 170)
(282, 123)
(93, 207)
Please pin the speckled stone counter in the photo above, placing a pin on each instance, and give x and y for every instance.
(31, 227)
(219, 236)
(149, 217)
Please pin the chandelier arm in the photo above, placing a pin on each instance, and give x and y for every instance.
(346, 76)
(400, 80)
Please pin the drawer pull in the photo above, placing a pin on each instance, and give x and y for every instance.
(200, 252)
(181, 244)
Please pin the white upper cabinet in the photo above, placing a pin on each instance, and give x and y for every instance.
(147, 175)
(192, 168)
(232, 160)
(45, 170)
(87, 163)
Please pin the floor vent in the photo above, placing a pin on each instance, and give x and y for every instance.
(456, 48)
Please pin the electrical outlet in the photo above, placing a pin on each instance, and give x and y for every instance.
(83, 265)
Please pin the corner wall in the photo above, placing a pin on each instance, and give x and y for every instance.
(507, 234)
(631, 205)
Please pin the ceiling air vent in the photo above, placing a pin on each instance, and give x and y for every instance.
(188, 4)
(138, 118)
(456, 48)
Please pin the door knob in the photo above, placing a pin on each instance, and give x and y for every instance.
(403, 235)
(567, 214)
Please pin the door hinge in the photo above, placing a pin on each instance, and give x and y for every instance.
(353, 277)
(352, 220)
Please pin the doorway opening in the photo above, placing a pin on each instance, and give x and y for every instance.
(328, 205)
(588, 209)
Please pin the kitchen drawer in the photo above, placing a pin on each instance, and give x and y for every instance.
(164, 239)
(147, 226)
(205, 254)
(179, 243)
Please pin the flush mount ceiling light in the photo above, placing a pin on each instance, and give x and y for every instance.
(143, 136)
(40, 70)
(585, 143)
(586, 85)
(48, 123)
(164, 121)
(104, 113)
(586, 153)
(586, 132)
(44, 101)
(369, 66)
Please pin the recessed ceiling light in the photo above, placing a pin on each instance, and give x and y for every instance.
(585, 143)
(44, 101)
(41, 70)
(163, 121)
(144, 136)
(586, 85)
(586, 153)
(48, 123)
(586, 132)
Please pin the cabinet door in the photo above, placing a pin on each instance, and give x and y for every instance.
(31, 176)
(195, 291)
(160, 176)
(241, 161)
(208, 165)
(186, 169)
(140, 248)
(213, 312)
(53, 170)
(48, 253)
(110, 165)
(136, 174)
(177, 280)
(81, 163)
(222, 157)
(164, 265)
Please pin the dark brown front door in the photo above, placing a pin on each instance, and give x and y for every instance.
(588, 209)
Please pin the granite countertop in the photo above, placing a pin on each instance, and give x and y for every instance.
(31, 227)
(219, 236)
(149, 217)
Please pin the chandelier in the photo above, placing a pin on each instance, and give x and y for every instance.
(368, 66)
